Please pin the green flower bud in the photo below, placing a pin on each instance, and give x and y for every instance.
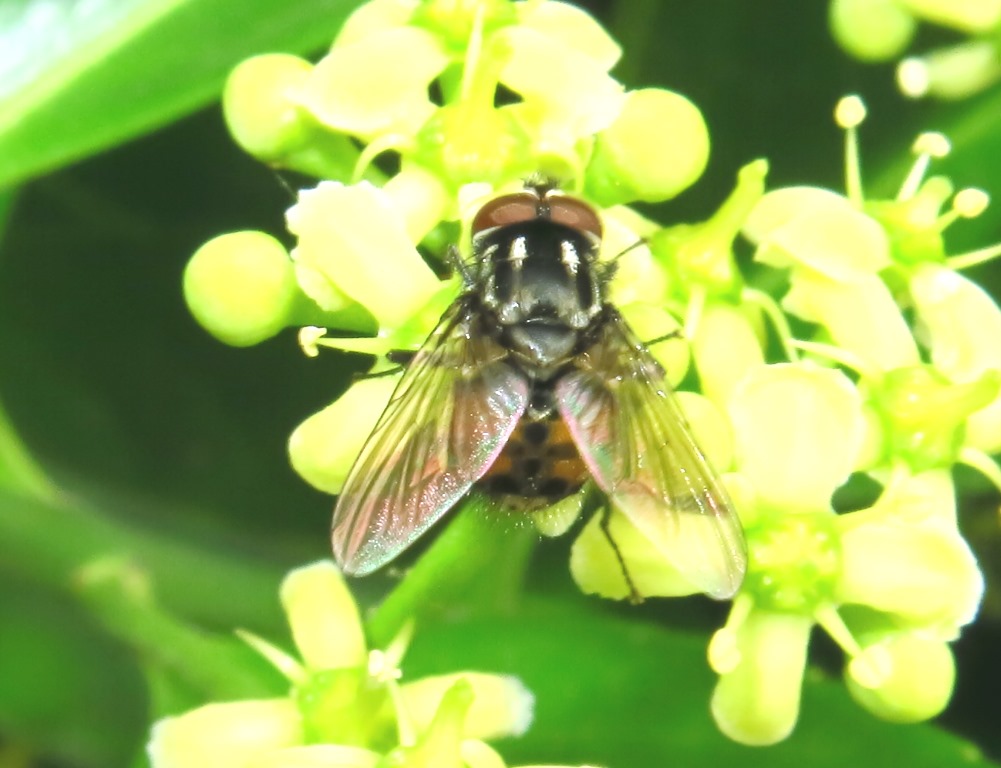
(871, 30)
(259, 103)
(241, 287)
(639, 278)
(656, 148)
(921, 676)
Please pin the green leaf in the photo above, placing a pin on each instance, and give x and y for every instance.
(69, 692)
(611, 691)
(79, 77)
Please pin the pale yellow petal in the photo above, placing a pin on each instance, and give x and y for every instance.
(323, 617)
(356, 238)
(229, 735)
(799, 430)
(502, 705)
(758, 702)
(323, 448)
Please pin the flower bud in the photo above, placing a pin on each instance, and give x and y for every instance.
(260, 105)
(241, 287)
(921, 676)
(657, 147)
(871, 30)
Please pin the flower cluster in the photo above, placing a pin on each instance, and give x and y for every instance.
(881, 30)
(880, 361)
(347, 707)
(871, 284)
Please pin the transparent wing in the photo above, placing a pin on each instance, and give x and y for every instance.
(449, 417)
(641, 452)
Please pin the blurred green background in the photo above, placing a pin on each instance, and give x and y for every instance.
(164, 445)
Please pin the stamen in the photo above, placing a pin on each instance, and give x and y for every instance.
(973, 258)
(309, 338)
(868, 666)
(971, 202)
(381, 668)
(312, 337)
(841, 356)
(927, 146)
(390, 142)
(778, 318)
(849, 114)
(966, 204)
(290, 667)
(723, 652)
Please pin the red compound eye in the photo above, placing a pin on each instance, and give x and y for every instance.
(508, 209)
(527, 206)
(574, 213)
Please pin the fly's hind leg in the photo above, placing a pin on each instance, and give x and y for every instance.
(604, 522)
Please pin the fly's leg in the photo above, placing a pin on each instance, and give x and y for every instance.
(606, 515)
(399, 357)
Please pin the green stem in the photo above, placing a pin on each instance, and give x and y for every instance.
(48, 542)
(18, 469)
(211, 667)
(476, 566)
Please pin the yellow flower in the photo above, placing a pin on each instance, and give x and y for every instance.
(346, 707)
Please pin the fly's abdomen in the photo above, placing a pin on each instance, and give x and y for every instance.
(539, 465)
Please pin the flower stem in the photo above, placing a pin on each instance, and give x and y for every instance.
(475, 566)
(48, 541)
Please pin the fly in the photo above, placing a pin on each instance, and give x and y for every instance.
(531, 383)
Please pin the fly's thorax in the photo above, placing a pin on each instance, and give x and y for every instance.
(541, 285)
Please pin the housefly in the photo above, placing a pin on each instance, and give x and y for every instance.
(530, 384)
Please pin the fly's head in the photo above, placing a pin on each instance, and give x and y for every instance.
(538, 277)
